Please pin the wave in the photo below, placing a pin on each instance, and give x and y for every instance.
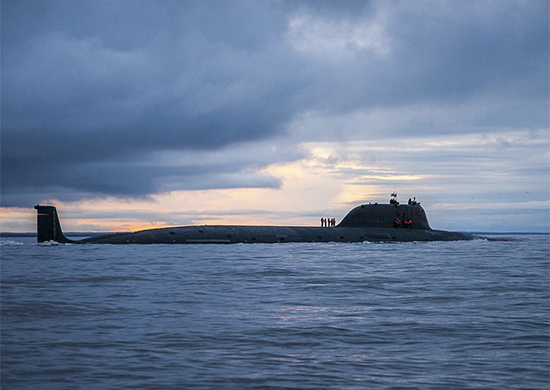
(11, 243)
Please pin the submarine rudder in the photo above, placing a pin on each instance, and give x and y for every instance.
(48, 227)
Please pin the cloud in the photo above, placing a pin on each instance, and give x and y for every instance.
(79, 110)
(133, 99)
(338, 41)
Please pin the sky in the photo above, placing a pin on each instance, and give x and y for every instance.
(134, 114)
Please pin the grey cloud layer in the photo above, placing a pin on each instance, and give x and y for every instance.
(92, 91)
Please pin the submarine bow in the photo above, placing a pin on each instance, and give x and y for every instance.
(372, 222)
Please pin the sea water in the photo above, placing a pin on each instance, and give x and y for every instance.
(433, 315)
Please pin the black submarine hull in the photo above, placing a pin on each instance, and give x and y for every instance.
(271, 234)
(374, 223)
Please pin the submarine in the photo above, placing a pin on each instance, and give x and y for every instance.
(372, 222)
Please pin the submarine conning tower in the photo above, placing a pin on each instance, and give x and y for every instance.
(383, 216)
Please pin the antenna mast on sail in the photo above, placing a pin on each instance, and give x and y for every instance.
(393, 199)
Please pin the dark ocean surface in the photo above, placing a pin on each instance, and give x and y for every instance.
(439, 315)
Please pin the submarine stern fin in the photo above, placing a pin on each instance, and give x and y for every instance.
(48, 227)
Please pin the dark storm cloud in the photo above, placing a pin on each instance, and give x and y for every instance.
(447, 52)
(104, 82)
(91, 90)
